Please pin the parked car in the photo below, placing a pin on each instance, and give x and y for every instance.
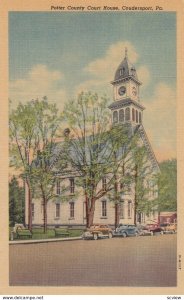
(124, 230)
(143, 230)
(154, 228)
(98, 231)
(169, 227)
(163, 226)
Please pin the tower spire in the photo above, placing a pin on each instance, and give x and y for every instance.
(126, 52)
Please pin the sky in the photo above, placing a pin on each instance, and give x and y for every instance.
(61, 54)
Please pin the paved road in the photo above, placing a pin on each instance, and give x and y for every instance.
(137, 261)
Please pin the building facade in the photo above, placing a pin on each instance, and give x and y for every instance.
(126, 109)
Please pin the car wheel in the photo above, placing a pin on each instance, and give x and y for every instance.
(124, 234)
(95, 236)
(110, 235)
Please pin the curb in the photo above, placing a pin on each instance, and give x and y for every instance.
(43, 241)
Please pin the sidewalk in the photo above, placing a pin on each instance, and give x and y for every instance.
(30, 241)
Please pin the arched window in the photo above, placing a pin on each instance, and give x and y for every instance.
(115, 117)
(127, 114)
(140, 118)
(136, 116)
(121, 115)
(133, 114)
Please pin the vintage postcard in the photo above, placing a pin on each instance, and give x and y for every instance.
(92, 129)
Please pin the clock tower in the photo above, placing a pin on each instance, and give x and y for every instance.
(126, 107)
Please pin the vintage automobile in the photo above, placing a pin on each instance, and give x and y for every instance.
(169, 227)
(143, 230)
(98, 231)
(124, 230)
(154, 228)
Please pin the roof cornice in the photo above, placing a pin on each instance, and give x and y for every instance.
(124, 79)
(125, 102)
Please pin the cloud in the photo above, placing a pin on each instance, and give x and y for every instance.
(102, 70)
(160, 121)
(143, 75)
(39, 82)
(106, 66)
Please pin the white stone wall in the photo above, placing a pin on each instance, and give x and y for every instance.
(79, 209)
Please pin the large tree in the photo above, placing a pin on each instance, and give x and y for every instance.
(34, 129)
(95, 150)
(23, 145)
(142, 175)
(43, 167)
(133, 177)
(167, 186)
(16, 202)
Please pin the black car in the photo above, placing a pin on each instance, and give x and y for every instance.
(124, 230)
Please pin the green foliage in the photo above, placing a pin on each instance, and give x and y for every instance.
(34, 128)
(167, 186)
(91, 142)
(95, 149)
(16, 203)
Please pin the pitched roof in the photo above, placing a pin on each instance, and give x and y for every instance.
(144, 137)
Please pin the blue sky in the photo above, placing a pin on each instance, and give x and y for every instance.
(59, 54)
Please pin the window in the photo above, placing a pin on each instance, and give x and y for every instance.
(104, 208)
(121, 115)
(84, 210)
(104, 184)
(72, 210)
(84, 184)
(42, 207)
(155, 192)
(142, 218)
(129, 209)
(136, 116)
(121, 210)
(72, 185)
(58, 187)
(57, 210)
(133, 114)
(115, 117)
(152, 189)
(127, 114)
(122, 72)
(140, 117)
(33, 210)
(133, 71)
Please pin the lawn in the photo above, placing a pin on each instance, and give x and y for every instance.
(39, 234)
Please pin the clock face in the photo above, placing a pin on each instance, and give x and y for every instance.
(122, 90)
(134, 91)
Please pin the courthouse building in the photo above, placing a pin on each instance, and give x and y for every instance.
(126, 108)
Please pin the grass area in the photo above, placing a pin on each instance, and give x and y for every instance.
(39, 234)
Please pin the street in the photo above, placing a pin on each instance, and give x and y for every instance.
(138, 261)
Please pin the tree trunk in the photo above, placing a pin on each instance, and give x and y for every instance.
(45, 216)
(135, 198)
(117, 212)
(44, 212)
(86, 207)
(158, 216)
(91, 211)
(29, 205)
